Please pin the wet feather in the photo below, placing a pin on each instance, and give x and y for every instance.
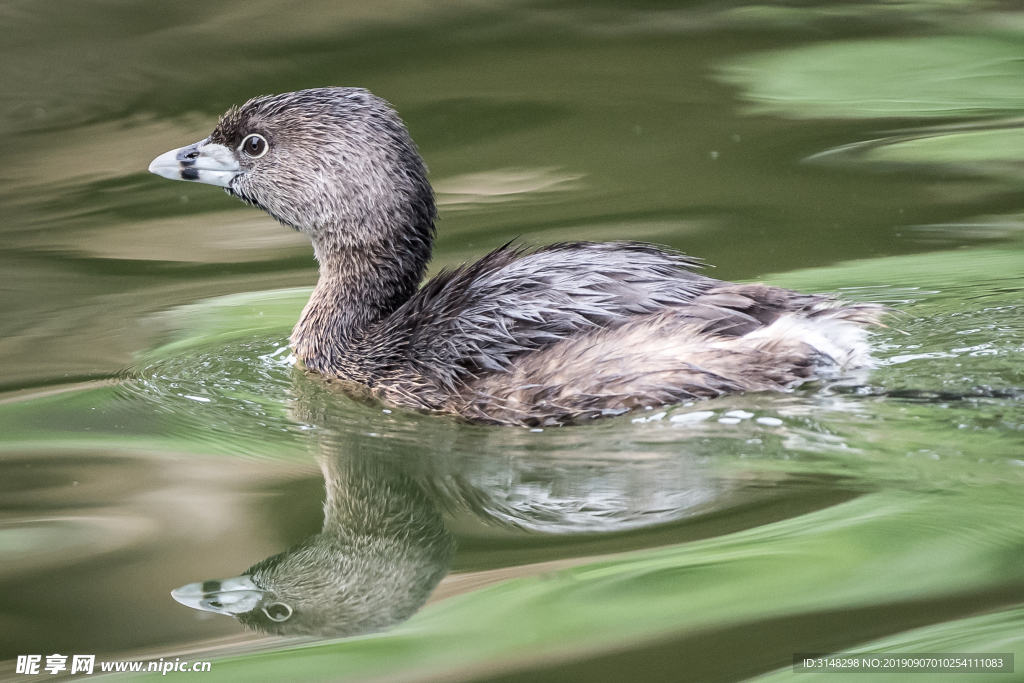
(561, 334)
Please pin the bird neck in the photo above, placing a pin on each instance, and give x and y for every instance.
(372, 260)
(358, 286)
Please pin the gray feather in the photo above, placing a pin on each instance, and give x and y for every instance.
(567, 332)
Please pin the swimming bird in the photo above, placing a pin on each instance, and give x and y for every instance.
(550, 336)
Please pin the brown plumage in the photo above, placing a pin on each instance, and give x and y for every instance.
(558, 335)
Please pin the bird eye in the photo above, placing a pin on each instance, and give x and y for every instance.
(255, 145)
(278, 611)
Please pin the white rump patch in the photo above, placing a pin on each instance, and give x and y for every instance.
(842, 341)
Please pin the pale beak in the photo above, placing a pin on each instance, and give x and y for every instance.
(202, 162)
(233, 596)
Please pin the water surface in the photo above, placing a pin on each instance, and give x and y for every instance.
(154, 433)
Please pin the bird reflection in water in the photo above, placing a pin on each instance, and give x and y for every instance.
(387, 542)
(382, 550)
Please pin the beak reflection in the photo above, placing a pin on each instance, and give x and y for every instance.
(233, 596)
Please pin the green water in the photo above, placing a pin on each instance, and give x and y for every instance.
(153, 432)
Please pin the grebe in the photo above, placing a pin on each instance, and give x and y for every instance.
(557, 335)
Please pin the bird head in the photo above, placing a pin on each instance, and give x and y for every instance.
(334, 163)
